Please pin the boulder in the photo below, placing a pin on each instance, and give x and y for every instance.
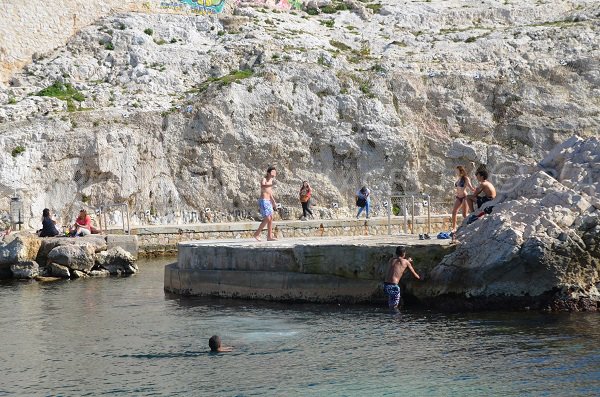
(540, 247)
(117, 261)
(49, 243)
(77, 257)
(25, 270)
(99, 273)
(19, 247)
(78, 274)
(58, 270)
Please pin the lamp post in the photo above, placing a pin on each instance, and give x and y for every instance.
(16, 212)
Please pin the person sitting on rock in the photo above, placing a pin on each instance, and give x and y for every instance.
(83, 224)
(215, 345)
(48, 225)
(485, 187)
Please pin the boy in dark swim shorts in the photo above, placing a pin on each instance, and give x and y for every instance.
(398, 266)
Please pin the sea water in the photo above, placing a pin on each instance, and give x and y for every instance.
(125, 336)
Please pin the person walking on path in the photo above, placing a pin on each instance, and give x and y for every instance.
(363, 201)
(305, 193)
(266, 203)
(461, 185)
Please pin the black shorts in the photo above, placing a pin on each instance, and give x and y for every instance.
(482, 200)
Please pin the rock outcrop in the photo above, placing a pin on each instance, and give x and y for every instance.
(539, 248)
(175, 114)
(63, 257)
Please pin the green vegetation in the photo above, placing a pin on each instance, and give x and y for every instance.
(17, 151)
(365, 88)
(339, 45)
(221, 33)
(65, 92)
(149, 31)
(328, 22)
(312, 11)
(12, 100)
(160, 41)
(375, 7)
(85, 198)
(121, 26)
(109, 46)
(233, 77)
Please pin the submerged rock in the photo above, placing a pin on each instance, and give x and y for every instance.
(59, 270)
(117, 261)
(540, 247)
(25, 270)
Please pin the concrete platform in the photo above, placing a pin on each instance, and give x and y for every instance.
(322, 269)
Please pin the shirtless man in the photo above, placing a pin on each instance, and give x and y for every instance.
(398, 265)
(266, 203)
(486, 187)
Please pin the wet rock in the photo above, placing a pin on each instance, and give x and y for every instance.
(77, 257)
(58, 270)
(78, 274)
(117, 261)
(99, 273)
(25, 270)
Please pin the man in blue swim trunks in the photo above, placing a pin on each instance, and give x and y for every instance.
(266, 203)
(398, 265)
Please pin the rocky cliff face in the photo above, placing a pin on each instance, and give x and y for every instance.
(541, 245)
(174, 114)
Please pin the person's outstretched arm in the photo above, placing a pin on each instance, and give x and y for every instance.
(410, 261)
(470, 185)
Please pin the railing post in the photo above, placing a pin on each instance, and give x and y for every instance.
(405, 215)
(429, 214)
(412, 219)
(389, 214)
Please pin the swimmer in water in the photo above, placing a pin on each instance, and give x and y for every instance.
(215, 345)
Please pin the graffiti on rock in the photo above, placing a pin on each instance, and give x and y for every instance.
(196, 6)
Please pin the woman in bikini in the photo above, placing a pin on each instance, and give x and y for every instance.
(461, 186)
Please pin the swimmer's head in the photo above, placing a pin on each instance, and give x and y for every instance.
(271, 171)
(401, 251)
(214, 343)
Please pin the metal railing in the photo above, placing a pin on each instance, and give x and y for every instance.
(403, 199)
(124, 216)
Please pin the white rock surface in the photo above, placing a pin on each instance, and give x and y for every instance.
(542, 239)
(395, 100)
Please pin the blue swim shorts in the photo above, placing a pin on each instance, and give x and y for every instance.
(265, 207)
(393, 293)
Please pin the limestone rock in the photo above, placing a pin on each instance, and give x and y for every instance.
(98, 243)
(58, 270)
(78, 274)
(25, 270)
(19, 247)
(117, 261)
(540, 245)
(99, 273)
(414, 89)
(76, 257)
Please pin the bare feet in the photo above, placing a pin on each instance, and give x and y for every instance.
(272, 239)
(257, 237)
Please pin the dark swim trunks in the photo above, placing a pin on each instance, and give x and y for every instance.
(482, 200)
(393, 293)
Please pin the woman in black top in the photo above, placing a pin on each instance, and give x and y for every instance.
(48, 225)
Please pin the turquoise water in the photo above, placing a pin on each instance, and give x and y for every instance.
(124, 336)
